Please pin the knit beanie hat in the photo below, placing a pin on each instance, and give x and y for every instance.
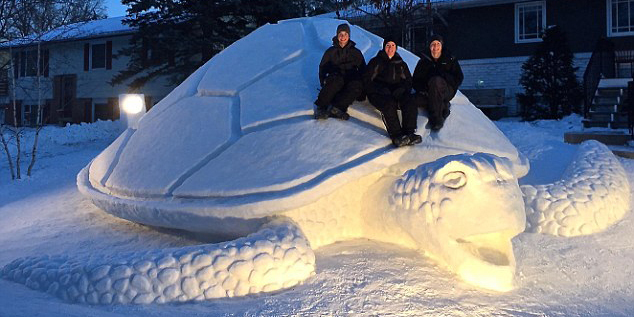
(343, 27)
(389, 38)
(437, 37)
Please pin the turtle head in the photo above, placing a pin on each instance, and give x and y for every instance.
(464, 210)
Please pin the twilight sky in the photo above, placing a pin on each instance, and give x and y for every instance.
(115, 8)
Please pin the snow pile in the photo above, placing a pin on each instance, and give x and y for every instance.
(72, 133)
(276, 257)
(592, 195)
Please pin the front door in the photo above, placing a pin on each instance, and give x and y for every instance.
(64, 96)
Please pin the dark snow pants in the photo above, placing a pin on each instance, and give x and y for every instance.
(436, 101)
(338, 92)
(388, 105)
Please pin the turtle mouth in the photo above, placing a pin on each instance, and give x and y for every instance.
(488, 260)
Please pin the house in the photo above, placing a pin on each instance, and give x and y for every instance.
(76, 63)
(493, 38)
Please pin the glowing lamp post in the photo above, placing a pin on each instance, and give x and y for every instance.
(132, 108)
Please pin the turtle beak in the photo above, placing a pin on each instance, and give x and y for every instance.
(488, 260)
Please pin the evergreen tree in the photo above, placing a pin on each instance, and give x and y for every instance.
(175, 37)
(551, 89)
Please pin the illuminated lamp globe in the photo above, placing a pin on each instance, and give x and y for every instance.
(133, 104)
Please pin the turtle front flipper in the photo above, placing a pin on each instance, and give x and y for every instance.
(275, 257)
(593, 194)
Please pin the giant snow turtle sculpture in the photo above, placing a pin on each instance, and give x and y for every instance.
(233, 151)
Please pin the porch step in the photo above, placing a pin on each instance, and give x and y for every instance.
(605, 137)
(607, 100)
(610, 92)
(605, 124)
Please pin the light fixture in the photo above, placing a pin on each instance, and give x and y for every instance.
(132, 108)
(133, 104)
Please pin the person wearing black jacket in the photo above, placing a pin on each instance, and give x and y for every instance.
(340, 73)
(436, 80)
(388, 84)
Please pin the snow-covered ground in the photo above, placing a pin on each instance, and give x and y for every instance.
(582, 276)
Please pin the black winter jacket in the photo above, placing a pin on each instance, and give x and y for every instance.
(387, 76)
(346, 61)
(446, 67)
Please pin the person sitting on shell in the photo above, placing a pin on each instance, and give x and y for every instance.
(388, 84)
(436, 80)
(340, 72)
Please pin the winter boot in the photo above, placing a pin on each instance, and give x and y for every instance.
(437, 125)
(321, 113)
(337, 113)
(401, 140)
(414, 138)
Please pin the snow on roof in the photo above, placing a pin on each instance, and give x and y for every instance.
(81, 30)
(448, 4)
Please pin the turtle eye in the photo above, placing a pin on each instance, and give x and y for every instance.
(455, 180)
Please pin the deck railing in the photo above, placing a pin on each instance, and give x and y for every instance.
(601, 65)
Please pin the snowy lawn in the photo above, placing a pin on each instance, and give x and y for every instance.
(582, 276)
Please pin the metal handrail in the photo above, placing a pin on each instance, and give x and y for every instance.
(601, 64)
(630, 108)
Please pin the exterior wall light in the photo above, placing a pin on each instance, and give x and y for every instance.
(132, 108)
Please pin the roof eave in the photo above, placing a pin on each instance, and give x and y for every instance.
(55, 41)
(465, 4)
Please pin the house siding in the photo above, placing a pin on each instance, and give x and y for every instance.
(92, 87)
(504, 73)
(483, 39)
(489, 31)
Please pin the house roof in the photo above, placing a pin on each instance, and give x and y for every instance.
(76, 31)
(448, 4)
(462, 4)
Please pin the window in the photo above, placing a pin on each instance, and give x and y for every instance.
(98, 56)
(29, 116)
(530, 21)
(4, 85)
(25, 63)
(620, 17)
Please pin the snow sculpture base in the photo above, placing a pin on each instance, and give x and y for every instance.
(592, 195)
(461, 210)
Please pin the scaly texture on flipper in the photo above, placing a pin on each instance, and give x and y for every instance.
(277, 256)
(592, 195)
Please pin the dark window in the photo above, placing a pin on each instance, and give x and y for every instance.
(621, 17)
(530, 21)
(99, 56)
(25, 63)
(103, 111)
(31, 63)
(4, 85)
(30, 115)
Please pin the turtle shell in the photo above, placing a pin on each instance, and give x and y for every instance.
(236, 140)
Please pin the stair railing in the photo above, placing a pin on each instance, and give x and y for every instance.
(601, 64)
(630, 108)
